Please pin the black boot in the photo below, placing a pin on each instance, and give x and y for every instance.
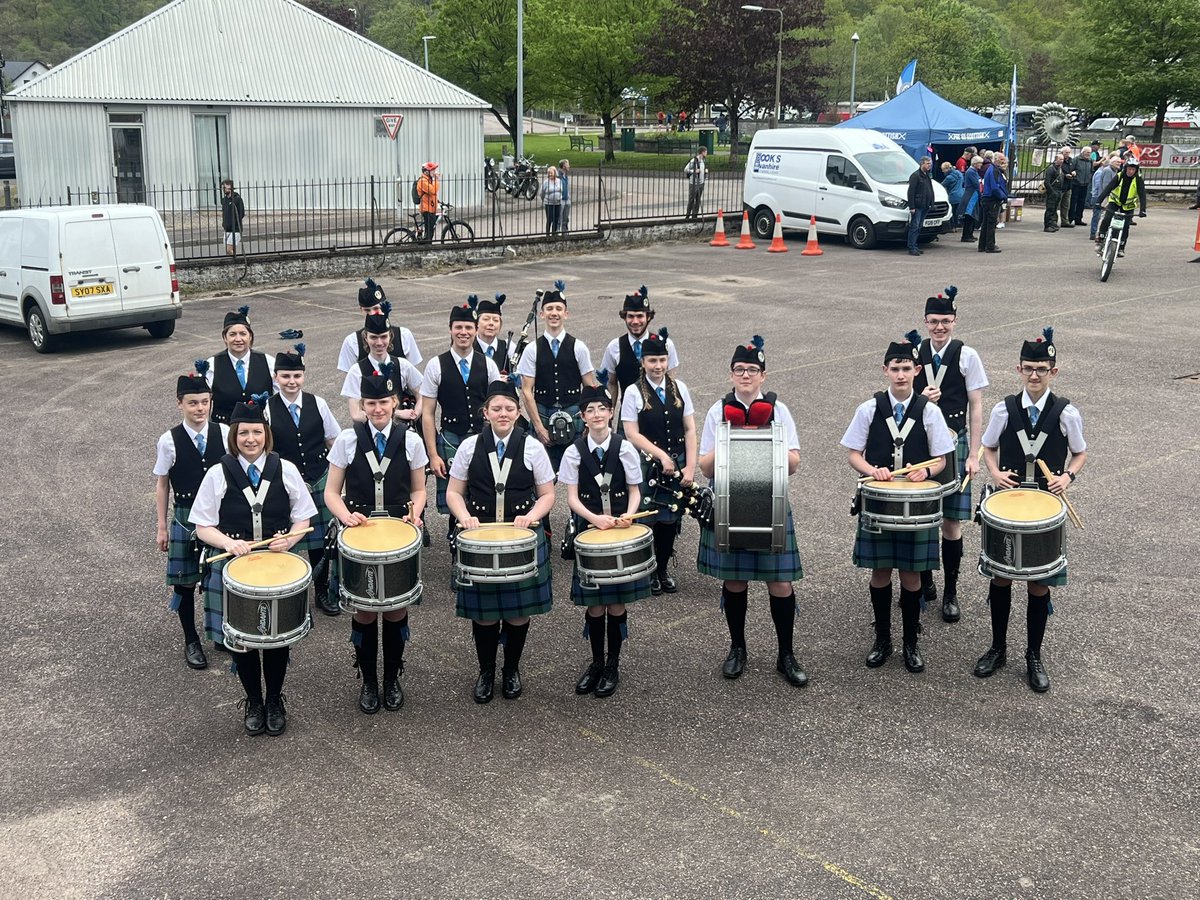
(184, 603)
(928, 589)
(249, 672)
(664, 548)
(595, 631)
(514, 646)
(393, 662)
(365, 636)
(783, 615)
(1036, 617)
(274, 666)
(616, 636)
(735, 617)
(881, 603)
(487, 639)
(952, 552)
(999, 604)
(327, 604)
(910, 608)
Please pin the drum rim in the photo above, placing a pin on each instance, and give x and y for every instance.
(227, 573)
(263, 642)
(530, 534)
(631, 540)
(1058, 519)
(416, 539)
(266, 592)
(353, 603)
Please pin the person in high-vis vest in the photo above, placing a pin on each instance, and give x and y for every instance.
(1125, 192)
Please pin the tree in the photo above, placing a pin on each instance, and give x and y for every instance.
(344, 16)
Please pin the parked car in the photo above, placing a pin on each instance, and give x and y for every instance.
(8, 160)
(86, 268)
(1106, 123)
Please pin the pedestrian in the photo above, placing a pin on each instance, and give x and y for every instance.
(1080, 185)
(696, 172)
(233, 212)
(552, 200)
(1096, 156)
(564, 178)
(952, 181)
(994, 193)
(964, 161)
(920, 198)
(1064, 199)
(1053, 182)
(1105, 173)
(427, 193)
(971, 210)
(662, 121)
(683, 120)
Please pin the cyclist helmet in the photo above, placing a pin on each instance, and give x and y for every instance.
(429, 167)
(1131, 162)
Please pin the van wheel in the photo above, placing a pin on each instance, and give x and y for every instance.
(861, 233)
(163, 329)
(762, 223)
(39, 335)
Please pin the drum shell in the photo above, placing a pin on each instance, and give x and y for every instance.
(618, 561)
(909, 509)
(379, 581)
(491, 562)
(948, 477)
(750, 489)
(1023, 551)
(265, 617)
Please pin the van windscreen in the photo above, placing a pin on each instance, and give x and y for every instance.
(887, 166)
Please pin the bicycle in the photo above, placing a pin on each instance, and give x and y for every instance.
(453, 231)
(1111, 248)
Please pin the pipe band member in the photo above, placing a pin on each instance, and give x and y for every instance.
(623, 355)
(240, 372)
(373, 302)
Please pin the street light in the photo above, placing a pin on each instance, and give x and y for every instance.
(853, 70)
(425, 40)
(778, 55)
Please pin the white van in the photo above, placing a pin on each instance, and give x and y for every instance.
(854, 180)
(86, 268)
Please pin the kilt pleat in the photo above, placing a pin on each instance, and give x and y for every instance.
(531, 597)
(957, 506)
(183, 549)
(447, 445)
(750, 565)
(909, 551)
(315, 539)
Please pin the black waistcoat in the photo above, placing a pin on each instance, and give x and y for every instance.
(360, 480)
(462, 403)
(397, 343)
(228, 391)
(629, 367)
(187, 473)
(589, 467)
(303, 446)
(1054, 451)
(661, 423)
(519, 495)
(234, 518)
(953, 403)
(558, 381)
(499, 355)
(880, 444)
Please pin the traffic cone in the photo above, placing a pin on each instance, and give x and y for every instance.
(812, 248)
(744, 242)
(777, 244)
(1196, 246)
(719, 239)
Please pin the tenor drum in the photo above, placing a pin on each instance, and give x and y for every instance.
(265, 600)
(900, 505)
(750, 488)
(379, 565)
(615, 555)
(1023, 534)
(495, 554)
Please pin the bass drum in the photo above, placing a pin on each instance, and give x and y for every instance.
(750, 500)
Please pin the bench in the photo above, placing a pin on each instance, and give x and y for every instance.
(579, 142)
(675, 145)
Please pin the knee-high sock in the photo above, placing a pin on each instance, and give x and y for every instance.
(366, 649)
(595, 630)
(186, 595)
(735, 615)
(487, 639)
(881, 603)
(274, 666)
(616, 634)
(910, 610)
(952, 554)
(783, 614)
(514, 645)
(664, 544)
(249, 671)
(926, 579)
(1035, 619)
(315, 558)
(1000, 600)
(393, 647)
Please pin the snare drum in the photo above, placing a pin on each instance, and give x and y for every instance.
(1023, 534)
(379, 565)
(750, 488)
(900, 505)
(614, 556)
(495, 554)
(265, 600)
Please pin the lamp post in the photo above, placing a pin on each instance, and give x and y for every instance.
(853, 70)
(778, 54)
(520, 123)
(425, 40)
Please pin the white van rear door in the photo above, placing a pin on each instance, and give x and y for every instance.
(145, 273)
(89, 267)
(10, 268)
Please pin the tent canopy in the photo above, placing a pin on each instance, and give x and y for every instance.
(918, 119)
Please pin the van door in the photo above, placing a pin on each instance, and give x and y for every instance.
(145, 274)
(10, 269)
(89, 267)
(842, 185)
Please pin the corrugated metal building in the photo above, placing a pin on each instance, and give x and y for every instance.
(256, 90)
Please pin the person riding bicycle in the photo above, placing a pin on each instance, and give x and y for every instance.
(427, 190)
(1124, 192)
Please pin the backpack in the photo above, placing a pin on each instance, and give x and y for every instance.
(416, 194)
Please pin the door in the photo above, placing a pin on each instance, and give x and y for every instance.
(10, 268)
(211, 135)
(842, 186)
(129, 171)
(145, 274)
(89, 261)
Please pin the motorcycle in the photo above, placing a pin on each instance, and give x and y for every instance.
(524, 179)
(491, 178)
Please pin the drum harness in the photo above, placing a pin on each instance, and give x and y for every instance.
(500, 472)
(1032, 449)
(255, 499)
(378, 471)
(899, 435)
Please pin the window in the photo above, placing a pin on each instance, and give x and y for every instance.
(843, 173)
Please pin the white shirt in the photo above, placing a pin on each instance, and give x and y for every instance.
(206, 510)
(233, 361)
(969, 364)
(1070, 422)
(341, 454)
(408, 376)
(495, 347)
(716, 414)
(330, 425)
(527, 367)
(165, 457)
(433, 373)
(348, 355)
(612, 353)
(633, 403)
(696, 165)
(568, 469)
(941, 439)
(536, 459)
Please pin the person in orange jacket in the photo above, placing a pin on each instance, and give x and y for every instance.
(427, 189)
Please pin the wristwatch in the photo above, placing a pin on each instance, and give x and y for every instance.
(1071, 475)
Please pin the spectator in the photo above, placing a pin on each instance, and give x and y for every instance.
(670, 127)
(1080, 185)
(952, 181)
(1096, 156)
(696, 172)
(1128, 145)
(683, 120)
(1053, 181)
(564, 178)
(964, 161)
(233, 212)
(662, 121)
(1105, 173)
(920, 198)
(988, 156)
(552, 199)
(970, 210)
(995, 193)
(1064, 200)
(427, 193)
(722, 123)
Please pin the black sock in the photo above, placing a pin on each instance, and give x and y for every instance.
(1035, 620)
(186, 594)
(514, 645)
(366, 650)
(910, 610)
(393, 648)
(487, 639)
(315, 558)
(664, 545)
(274, 666)
(926, 580)
(952, 554)
(249, 672)
(616, 634)
(1000, 600)
(783, 614)
(735, 616)
(881, 603)
(595, 629)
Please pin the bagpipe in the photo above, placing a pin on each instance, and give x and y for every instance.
(666, 492)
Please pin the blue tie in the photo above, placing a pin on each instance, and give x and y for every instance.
(600, 454)
(465, 369)
(380, 443)
(1033, 416)
(637, 349)
(554, 347)
(662, 395)
(937, 362)
(295, 411)
(491, 352)
(241, 372)
(899, 411)
(252, 474)
(500, 451)
(201, 443)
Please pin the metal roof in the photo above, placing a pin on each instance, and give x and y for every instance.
(242, 52)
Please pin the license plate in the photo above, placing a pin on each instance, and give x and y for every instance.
(91, 290)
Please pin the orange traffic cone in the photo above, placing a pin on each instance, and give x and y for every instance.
(812, 248)
(777, 244)
(1196, 246)
(719, 239)
(744, 242)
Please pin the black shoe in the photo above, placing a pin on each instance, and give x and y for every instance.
(966, 240)
(914, 252)
(992, 250)
(789, 667)
(393, 694)
(326, 604)
(276, 716)
(368, 698)
(950, 610)
(1194, 206)
(511, 684)
(669, 584)
(588, 680)
(1067, 225)
(990, 663)
(608, 681)
(193, 655)
(1038, 679)
(220, 647)
(735, 663)
(256, 716)
(1049, 228)
(880, 652)
(656, 587)
(484, 685)
(912, 658)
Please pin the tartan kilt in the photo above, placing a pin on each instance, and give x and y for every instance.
(657, 494)
(183, 550)
(957, 506)
(750, 565)
(908, 551)
(213, 587)
(315, 539)
(446, 450)
(490, 602)
(1055, 581)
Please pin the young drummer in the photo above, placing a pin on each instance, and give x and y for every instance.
(184, 454)
(502, 475)
(490, 319)
(241, 371)
(225, 519)
(602, 472)
(404, 373)
(302, 430)
(1034, 425)
(378, 447)
(952, 376)
(460, 395)
(623, 356)
(895, 428)
(747, 406)
(372, 302)
(660, 422)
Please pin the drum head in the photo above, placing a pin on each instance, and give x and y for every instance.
(496, 534)
(1023, 505)
(267, 569)
(902, 484)
(379, 535)
(611, 535)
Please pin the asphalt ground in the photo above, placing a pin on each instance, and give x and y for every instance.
(127, 775)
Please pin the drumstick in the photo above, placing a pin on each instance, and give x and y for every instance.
(1075, 520)
(903, 470)
(642, 515)
(967, 480)
(262, 543)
